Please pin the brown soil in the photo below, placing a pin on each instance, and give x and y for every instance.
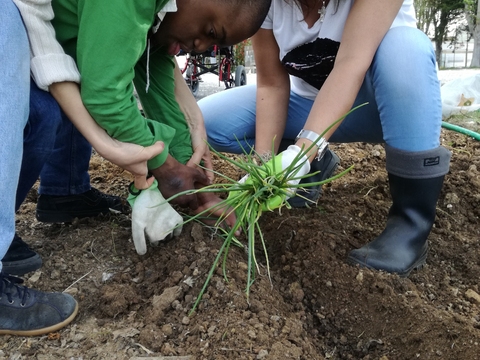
(317, 306)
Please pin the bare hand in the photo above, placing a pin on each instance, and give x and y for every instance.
(174, 177)
(223, 213)
(201, 151)
(132, 158)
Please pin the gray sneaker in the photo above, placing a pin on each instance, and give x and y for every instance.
(28, 312)
(309, 195)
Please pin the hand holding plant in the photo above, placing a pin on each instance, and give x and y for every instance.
(288, 167)
(266, 187)
(215, 210)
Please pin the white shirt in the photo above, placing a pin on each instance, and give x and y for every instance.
(296, 40)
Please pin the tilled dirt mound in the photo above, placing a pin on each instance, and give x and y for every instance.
(315, 307)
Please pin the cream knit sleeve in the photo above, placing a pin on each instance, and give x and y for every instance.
(49, 63)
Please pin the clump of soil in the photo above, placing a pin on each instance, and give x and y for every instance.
(316, 307)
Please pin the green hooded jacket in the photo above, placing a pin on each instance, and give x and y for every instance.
(108, 40)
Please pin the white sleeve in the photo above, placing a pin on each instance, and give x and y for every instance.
(268, 22)
(49, 63)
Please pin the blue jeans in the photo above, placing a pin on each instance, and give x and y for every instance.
(38, 138)
(14, 97)
(66, 170)
(401, 87)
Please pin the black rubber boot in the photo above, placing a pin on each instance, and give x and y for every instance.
(416, 180)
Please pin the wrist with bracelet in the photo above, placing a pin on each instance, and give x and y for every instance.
(320, 142)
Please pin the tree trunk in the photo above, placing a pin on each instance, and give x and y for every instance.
(439, 36)
(476, 41)
(438, 51)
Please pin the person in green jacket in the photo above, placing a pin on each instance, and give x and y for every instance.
(126, 45)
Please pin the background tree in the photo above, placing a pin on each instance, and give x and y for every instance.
(425, 11)
(472, 12)
(434, 17)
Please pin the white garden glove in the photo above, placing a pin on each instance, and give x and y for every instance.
(152, 216)
(277, 165)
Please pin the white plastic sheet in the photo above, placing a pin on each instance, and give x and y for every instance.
(461, 96)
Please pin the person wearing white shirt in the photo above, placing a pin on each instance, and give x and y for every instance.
(315, 61)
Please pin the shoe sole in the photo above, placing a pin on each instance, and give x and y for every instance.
(417, 265)
(21, 267)
(42, 331)
(56, 217)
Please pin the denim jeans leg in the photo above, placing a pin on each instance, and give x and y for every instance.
(38, 139)
(404, 107)
(14, 95)
(401, 96)
(66, 170)
(230, 118)
(408, 90)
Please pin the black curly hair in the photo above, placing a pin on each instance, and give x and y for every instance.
(257, 11)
